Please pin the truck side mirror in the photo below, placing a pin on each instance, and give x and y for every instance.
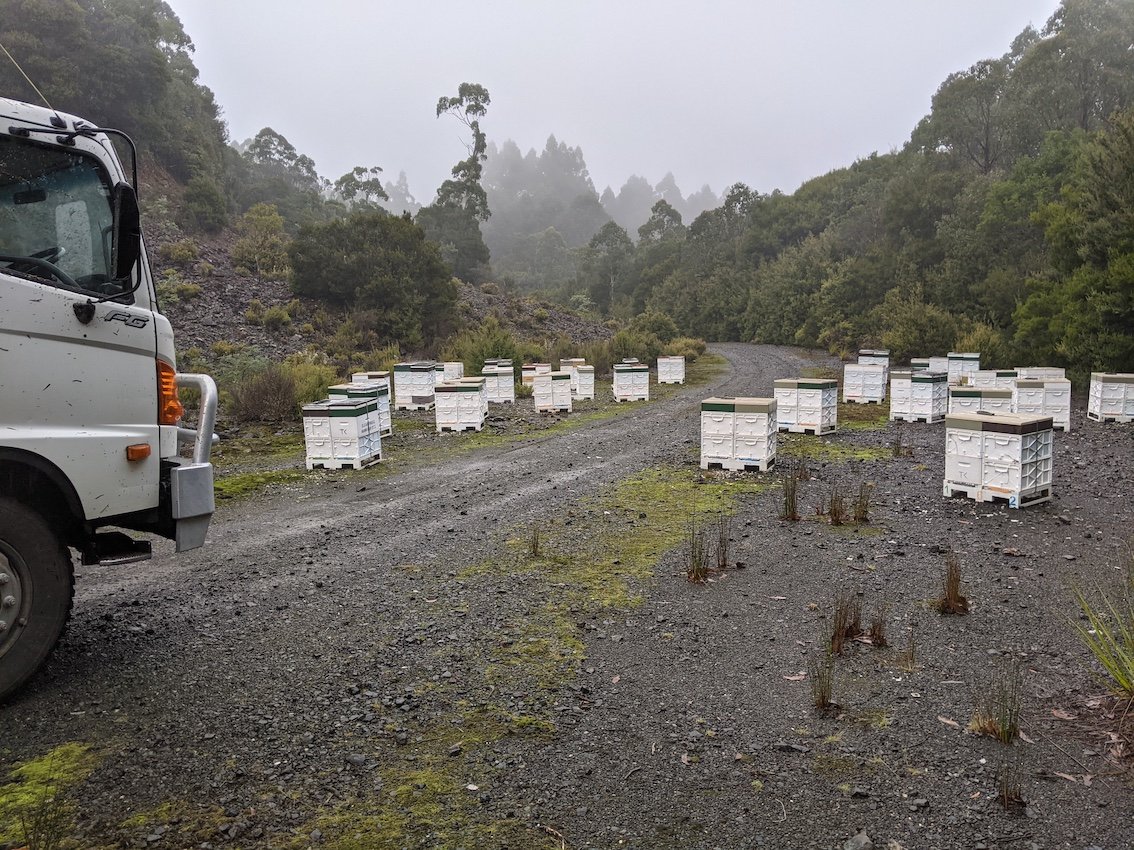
(126, 244)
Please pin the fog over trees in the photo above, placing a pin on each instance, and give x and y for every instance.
(1003, 225)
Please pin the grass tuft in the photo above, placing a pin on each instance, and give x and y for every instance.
(846, 621)
(951, 601)
(997, 703)
(1107, 630)
(821, 668)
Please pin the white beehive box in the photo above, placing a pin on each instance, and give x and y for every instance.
(962, 365)
(459, 406)
(929, 396)
(1111, 397)
(864, 383)
(901, 395)
(586, 382)
(413, 386)
(807, 405)
(998, 457)
(527, 374)
(378, 391)
(542, 392)
(571, 365)
(738, 433)
(1041, 373)
(671, 370)
(1038, 397)
(939, 364)
(975, 400)
(874, 357)
(453, 370)
(368, 377)
(631, 382)
(341, 434)
(500, 384)
(919, 363)
(482, 389)
(561, 391)
(1001, 379)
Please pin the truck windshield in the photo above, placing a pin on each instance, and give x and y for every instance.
(56, 222)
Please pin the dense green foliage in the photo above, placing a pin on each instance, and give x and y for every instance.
(382, 266)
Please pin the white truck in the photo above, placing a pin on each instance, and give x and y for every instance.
(90, 431)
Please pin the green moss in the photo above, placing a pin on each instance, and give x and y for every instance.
(33, 807)
(864, 417)
(257, 445)
(246, 483)
(186, 824)
(827, 449)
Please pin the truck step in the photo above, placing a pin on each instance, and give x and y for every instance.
(114, 547)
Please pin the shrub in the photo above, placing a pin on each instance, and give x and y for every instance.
(276, 318)
(180, 253)
(541, 315)
(223, 348)
(645, 346)
(658, 324)
(265, 396)
(473, 347)
(599, 355)
(204, 269)
(254, 315)
(311, 374)
(685, 346)
(524, 390)
(262, 246)
(490, 289)
(186, 291)
(205, 207)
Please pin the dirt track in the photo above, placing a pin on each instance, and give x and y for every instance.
(314, 659)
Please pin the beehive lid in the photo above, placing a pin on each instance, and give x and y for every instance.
(370, 376)
(421, 367)
(587, 369)
(926, 377)
(475, 380)
(1004, 423)
(1113, 377)
(755, 405)
(317, 408)
(457, 387)
(994, 392)
(818, 383)
(630, 360)
(961, 392)
(352, 407)
(561, 376)
(339, 389)
(920, 361)
(901, 375)
(786, 384)
(402, 367)
(1030, 383)
(631, 367)
(504, 361)
(867, 367)
(1006, 373)
(719, 405)
(964, 355)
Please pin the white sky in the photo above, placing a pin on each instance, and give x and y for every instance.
(768, 92)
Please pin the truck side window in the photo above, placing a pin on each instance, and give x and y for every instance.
(56, 219)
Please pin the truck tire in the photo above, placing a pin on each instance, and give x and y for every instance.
(36, 586)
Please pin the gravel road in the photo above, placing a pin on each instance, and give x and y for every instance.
(291, 684)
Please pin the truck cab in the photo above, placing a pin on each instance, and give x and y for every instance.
(91, 439)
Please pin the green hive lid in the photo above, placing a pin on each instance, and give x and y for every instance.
(338, 389)
(958, 392)
(901, 374)
(560, 376)
(817, 384)
(402, 367)
(1006, 373)
(318, 408)
(719, 405)
(421, 367)
(589, 369)
(964, 355)
(927, 377)
(755, 405)
(457, 387)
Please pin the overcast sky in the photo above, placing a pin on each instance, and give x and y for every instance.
(767, 92)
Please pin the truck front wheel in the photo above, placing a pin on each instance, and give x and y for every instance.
(36, 584)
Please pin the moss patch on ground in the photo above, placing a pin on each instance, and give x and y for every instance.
(33, 805)
(243, 484)
(809, 447)
(864, 417)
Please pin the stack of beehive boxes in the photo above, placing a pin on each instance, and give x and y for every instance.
(631, 381)
(453, 370)
(342, 433)
(551, 391)
(864, 383)
(918, 396)
(461, 405)
(413, 385)
(375, 390)
(919, 363)
(962, 365)
(586, 382)
(529, 370)
(939, 364)
(671, 370)
(1044, 397)
(975, 399)
(1111, 397)
(738, 433)
(1003, 457)
(571, 366)
(499, 381)
(807, 405)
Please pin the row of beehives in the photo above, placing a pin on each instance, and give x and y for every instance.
(988, 457)
(346, 428)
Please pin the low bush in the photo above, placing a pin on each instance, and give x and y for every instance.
(685, 346)
(179, 253)
(311, 374)
(472, 347)
(276, 318)
(254, 315)
(645, 346)
(187, 291)
(268, 395)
